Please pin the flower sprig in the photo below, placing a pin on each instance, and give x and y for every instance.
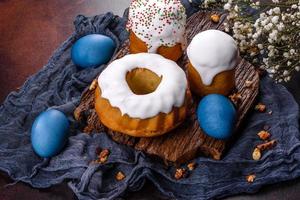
(268, 34)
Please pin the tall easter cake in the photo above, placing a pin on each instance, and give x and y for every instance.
(157, 26)
(213, 56)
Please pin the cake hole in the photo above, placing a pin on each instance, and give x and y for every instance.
(142, 81)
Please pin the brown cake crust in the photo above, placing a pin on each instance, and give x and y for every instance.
(223, 83)
(138, 46)
(112, 118)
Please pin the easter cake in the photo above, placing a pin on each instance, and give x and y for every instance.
(213, 56)
(139, 97)
(183, 140)
(157, 26)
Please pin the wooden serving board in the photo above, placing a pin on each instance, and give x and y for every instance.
(187, 141)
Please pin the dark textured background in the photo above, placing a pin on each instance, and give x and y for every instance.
(29, 32)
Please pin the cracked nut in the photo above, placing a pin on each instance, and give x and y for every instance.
(264, 135)
(103, 156)
(250, 178)
(261, 107)
(120, 176)
(180, 173)
(256, 155)
(267, 145)
(215, 18)
(191, 166)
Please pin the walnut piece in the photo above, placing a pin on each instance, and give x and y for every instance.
(261, 107)
(180, 173)
(264, 135)
(236, 98)
(250, 178)
(256, 155)
(103, 156)
(191, 166)
(215, 18)
(120, 176)
(267, 145)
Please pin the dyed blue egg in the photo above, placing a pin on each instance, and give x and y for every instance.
(49, 133)
(216, 116)
(92, 50)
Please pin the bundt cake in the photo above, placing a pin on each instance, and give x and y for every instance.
(157, 26)
(142, 95)
(212, 56)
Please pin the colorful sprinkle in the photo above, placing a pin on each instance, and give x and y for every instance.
(157, 22)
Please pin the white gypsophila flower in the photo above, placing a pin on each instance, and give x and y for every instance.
(277, 10)
(273, 35)
(280, 26)
(236, 8)
(270, 47)
(275, 19)
(269, 26)
(271, 39)
(285, 73)
(227, 6)
(286, 55)
(292, 51)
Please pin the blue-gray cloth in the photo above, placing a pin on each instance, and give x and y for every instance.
(59, 85)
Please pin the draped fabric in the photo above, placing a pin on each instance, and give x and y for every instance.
(59, 85)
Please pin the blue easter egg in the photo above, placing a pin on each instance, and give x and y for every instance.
(92, 50)
(216, 116)
(49, 133)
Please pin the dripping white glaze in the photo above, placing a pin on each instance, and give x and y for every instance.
(212, 52)
(169, 93)
(157, 22)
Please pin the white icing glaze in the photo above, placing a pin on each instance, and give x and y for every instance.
(157, 22)
(212, 52)
(169, 93)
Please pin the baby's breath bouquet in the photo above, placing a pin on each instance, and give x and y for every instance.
(267, 32)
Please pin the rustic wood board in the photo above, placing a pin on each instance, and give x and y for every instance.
(187, 141)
